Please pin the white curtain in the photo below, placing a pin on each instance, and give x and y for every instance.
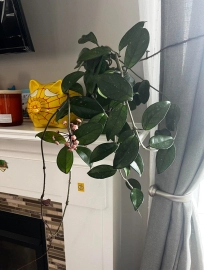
(150, 11)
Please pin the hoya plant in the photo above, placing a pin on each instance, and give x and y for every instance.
(109, 95)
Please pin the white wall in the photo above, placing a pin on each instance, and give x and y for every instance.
(55, 27)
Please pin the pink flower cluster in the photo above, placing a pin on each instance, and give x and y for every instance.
(72, 141)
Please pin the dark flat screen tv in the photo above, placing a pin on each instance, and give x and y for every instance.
(14, 33)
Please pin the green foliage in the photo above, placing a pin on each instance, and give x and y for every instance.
(51, 137)
(154, 114)
(85, 154)
(136, 197)
(88, 133)
(65, 160)
(134, 183)
(90, 37)
(109, 94)
(102, 171)
(165, 158)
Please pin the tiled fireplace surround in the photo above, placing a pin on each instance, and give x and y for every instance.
(92, 224)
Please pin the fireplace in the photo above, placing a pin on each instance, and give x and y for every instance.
(22, 241)
(23, 234)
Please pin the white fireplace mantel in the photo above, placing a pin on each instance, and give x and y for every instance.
(92, 221)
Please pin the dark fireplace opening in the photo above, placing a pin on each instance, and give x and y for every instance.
(22, 240)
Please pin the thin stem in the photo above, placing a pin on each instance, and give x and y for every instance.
(172, 45)
(143, 80)
(125, 179)
(66, 204)
(43, 160)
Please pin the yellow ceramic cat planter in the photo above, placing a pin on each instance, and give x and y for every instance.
(43, 102)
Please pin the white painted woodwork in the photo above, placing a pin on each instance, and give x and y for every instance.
(92, 224)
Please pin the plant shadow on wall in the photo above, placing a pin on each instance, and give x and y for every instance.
(111, 95)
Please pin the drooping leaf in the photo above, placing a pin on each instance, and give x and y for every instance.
(161, 141)
(51, 137)
(116, 121)
(134, 183)
(173, 117)
(136, 197)
(79, 62)
(138, 165)
(127, 170)
(126, 153)
(125, 135)
(165, 158)
(103, 150)
(65, 160)
(137, 47)
(94, 53)
(78, 88)
(84, 154)
(88, 133)
(163, 131)
(143, 91)
(154, 114)
(70, 80)
(114, 87)
(102, 171)
(126, 39)
(89, 37)
(85, 107)
(129, 79)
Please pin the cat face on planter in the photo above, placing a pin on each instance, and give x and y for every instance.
(43, 102)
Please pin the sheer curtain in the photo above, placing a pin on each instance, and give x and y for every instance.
(172, 241)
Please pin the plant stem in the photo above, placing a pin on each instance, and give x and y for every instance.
(125, 179)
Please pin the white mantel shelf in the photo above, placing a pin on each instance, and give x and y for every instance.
(92, 224)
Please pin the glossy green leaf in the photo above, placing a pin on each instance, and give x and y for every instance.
(138, 165)
(65, 160)
(154, 114)
(134, 183)
(143, 91)
(102, 171)
(172, 117)
(125, 128)
(88, 133)
(132, 105)
(78, 88)
(63, 110)
(103, 150)
(89, 82)
(161, 141)
(85, 107)
(136, 197)
(70, 80)
(100, 118)
(114, 87)
(84, 154)
(79, 62)
(126, 153)
(127, 170)
(94, 53)
(137, 47)
(51, 137)
(165, 158)
(163, 131)
(125, 135)
(129, 35)
(116, 121)
(129, 79)
(100, 93)
(88, 38)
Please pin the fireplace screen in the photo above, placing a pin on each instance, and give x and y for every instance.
(22, 241)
